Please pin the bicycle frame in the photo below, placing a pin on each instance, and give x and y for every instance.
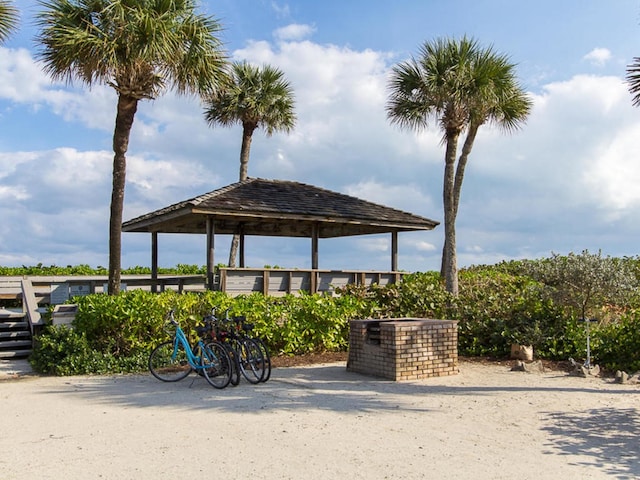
(180, 338)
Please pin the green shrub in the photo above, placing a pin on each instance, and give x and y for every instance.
(537, 302)
(615, 345)
(59, 350)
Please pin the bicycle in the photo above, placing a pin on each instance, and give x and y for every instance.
(175, 359)
(211, 332)
(244, 328)
(249, 358)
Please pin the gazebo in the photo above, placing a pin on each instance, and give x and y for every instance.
(275, 208)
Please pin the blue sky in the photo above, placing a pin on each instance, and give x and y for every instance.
(567, 181)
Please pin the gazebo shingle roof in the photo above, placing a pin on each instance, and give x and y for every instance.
(278, 208)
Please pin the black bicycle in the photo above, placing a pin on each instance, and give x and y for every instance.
(247, 354)
(245, 330)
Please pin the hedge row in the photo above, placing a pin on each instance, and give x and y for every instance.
(541, 303)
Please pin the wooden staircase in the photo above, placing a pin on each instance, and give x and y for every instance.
(17, 327)
(15, 335)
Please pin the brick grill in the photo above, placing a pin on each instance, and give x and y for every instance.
(403, 348)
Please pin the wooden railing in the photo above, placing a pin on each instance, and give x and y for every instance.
(276, 281)
(54, 290)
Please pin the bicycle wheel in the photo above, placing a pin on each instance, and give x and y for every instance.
(251, 360)
(168, 362)
(235, 367)
(216, 364)
(267, 358)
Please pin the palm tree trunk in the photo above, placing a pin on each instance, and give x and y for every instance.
(456, 183)
(462, 163)
(127, 107)
(245, 150)
(449, 261)
(247, 134)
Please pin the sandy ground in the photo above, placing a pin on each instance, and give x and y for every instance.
(321, 422)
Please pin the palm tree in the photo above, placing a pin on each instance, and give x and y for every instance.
(255, 97)
(8, 19)
(461, 86)
(633, 79)
(140, 48)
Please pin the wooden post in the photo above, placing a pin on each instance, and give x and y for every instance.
(210, 250)
(154, 262)
(241, 229)
(314, 259)
(314, 246)
(265, 282)
(394, 251)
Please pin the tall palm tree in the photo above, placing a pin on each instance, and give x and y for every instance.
(461, 86)
(255, 97)
(140, 48)
(633, 79)
(8, 19)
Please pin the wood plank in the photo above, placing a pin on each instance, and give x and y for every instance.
(13, 344)
(9, 314)
(13, 325)
(15, 353)
(15, 334)
(9, 288)
(30, 304)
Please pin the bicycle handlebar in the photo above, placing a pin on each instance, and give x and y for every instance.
(170, 317)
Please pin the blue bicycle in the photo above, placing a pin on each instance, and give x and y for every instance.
(175, 359)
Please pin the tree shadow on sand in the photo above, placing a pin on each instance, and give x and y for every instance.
(608, 436)
(327, 387)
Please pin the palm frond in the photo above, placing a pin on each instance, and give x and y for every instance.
(8, 19)
(633, 79)
(138, 47)
(257, 96)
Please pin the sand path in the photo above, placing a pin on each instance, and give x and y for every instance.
(322, 422)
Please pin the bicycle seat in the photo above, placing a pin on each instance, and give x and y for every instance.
(202, 330)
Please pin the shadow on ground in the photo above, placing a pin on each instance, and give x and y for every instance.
(608, 436)
(327, 387)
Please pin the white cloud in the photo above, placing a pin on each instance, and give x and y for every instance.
(294, 32)
(561, 150)
(282, 10)
(407, 197)
(9, 193)
(374, 244)
(21, 79)
(598, 56)
(11, 161)
(614, 174)
(423, 246)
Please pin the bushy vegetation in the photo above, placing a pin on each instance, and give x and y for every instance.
(48, 270)
(540, 303)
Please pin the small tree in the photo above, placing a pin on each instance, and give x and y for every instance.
(584, 282)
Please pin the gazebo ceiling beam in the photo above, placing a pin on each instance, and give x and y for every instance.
(273, 227)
